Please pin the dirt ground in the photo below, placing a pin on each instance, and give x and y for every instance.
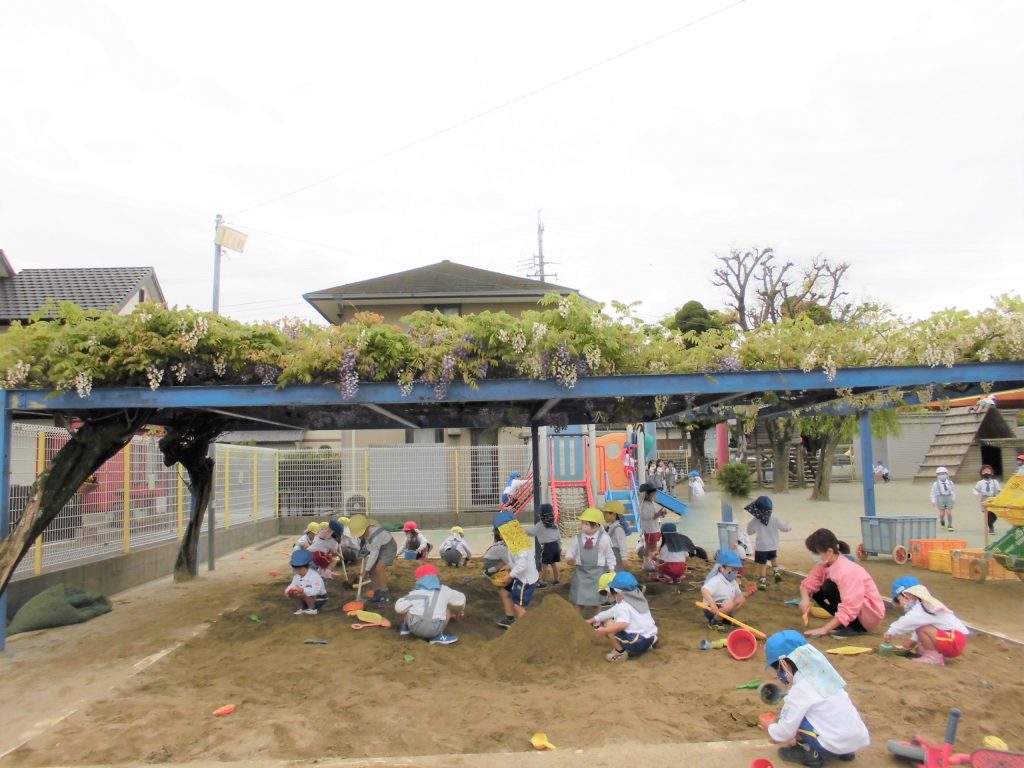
(139, 685)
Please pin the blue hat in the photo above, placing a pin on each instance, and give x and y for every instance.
(335, 526)
(761, 501)
(694, 473)
(902, 584)
(514, 475)
(301, 558)
(628, 445)
(783, 643)
(668, 527)
(729, 558)
(624, 581)
(503, 517)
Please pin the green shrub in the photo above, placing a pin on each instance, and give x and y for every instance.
(736, 479)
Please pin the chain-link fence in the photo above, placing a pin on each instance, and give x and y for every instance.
(133, 500)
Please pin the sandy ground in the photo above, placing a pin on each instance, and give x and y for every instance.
(139, 684)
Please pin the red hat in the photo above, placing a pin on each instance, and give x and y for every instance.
(426, 570)
(409, 526)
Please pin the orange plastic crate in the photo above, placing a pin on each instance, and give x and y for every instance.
(940, 561)
(920, 548)
(961, 563)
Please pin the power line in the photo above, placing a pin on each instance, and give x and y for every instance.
(490, 111)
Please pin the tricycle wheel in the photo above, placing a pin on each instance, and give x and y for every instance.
(862, 554)
(907, 750)
(900, 555)
(978, 569)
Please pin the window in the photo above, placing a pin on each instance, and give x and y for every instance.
(424, 436)
(452, 310)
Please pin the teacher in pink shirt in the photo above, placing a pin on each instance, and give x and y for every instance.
(840, 586)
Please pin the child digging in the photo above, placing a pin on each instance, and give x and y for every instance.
(429, 608)
(818, 720)
(934, 629)
(765, 526)
(721, 593)
(416, 545)
(672, 554)
(306, 589)
(380, 553)
(628, 624)
(455, 550)
(517, 588)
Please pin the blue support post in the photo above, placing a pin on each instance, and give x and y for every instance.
(5, 499)
(726, 512)
(867, 462)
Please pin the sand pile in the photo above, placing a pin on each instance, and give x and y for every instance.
(552, 635)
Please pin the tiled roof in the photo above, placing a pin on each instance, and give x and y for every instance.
(88, 287)
(444, 279)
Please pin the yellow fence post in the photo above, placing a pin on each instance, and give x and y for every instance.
(227, 487)
(40, 466)
(458, 482)
(181, 504)
(277, 483)
(255, 484)
(127, 496)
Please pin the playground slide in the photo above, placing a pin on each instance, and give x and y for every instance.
(671, 503)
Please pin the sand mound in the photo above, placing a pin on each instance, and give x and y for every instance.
(551, 637)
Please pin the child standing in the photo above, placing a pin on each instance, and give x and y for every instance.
(984, 489)
(416, 546)
(455, 549)
(380, 553)
(943, 496)
(547, 535)
(671, 478)
(721, 593)
(659, 476)
(616, 531)
(934, 629)
(629, 464)
(628, 623)
(766, 527)
(306, 589)
(650, 528)
(517, 588)
(591, 551)
(696, 484)
(672, 554)
(881, 471)
(429, 608)
(818, 718)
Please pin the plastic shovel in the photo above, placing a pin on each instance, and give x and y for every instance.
(756, 632)
(366, 616)
(382, 623)
(357, 604)
(849, 650)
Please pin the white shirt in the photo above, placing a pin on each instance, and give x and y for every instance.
(668, 556)
(457, 543)
(542, 533)
(880, 469)
(524, 567)
(603, 544)
(722, 590)
(768, 535)
(697, 486)
(918, 617)
(417, 602)
(311, 584)
(837, 722)
(329, 546)
(986, 489)
(648, 520)
(303, 542)
(618, 536)
(942, 488)
(636, 622)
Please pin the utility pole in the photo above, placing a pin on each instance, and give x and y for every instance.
(211, 508)
(539, 272)
(216, 266)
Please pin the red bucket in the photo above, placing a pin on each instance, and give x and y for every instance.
(741, 644)
(762, 762)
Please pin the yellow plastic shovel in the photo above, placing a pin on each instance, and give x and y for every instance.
(540, 741)
(849, 650)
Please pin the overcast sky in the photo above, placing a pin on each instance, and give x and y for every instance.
(887, 134)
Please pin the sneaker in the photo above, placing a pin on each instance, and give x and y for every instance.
(803, 754)
(949, 528)
(762, 584)
(778, 577)
(617, 656)
(443, 639)
(505, 621)
(717, 624)
(846, 632)
(991, 530)
(931, 657)
(540, 585)
(403, 631)
(299, 612)
(309, 611)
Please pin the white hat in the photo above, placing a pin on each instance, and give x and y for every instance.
(941, 471)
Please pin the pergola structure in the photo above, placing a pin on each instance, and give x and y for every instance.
(713, 396)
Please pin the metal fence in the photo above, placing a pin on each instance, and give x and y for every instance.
(134, 501)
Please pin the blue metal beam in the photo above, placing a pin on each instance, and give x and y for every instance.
(867, 463)
(388, 393)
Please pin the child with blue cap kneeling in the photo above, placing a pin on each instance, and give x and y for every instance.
(629, 623)
(721, 593)
(818, 719)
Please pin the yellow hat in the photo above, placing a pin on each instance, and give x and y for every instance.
(323, 525)
(592, 515)
(603, 581)
(457, 529)
(614, 507)
(359, 523)
(343, 520)
(313, 527)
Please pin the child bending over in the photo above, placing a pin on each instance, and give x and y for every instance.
(429, 608)
(306, 589)
(628, 624)
(934, 630)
